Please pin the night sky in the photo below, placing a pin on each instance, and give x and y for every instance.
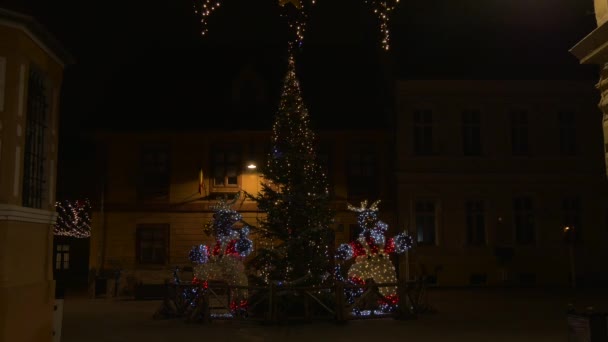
(144, 64)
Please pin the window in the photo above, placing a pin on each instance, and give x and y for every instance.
(476, 226)
(361, 170)
(152, 243)
(155, 174)
(62, 257)
(519, 132)
(34, 173)
(423, 132)
(226, 162)
(567, 133)
(523, 209)
(572, 215)
(471, 133)
(425, 222)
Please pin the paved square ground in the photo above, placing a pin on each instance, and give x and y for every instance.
(463, 315)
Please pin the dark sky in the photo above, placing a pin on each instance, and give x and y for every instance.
(143, 64)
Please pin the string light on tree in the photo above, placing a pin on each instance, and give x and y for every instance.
(205, 8)
(295, 198)
(382, 9)
(73, 219)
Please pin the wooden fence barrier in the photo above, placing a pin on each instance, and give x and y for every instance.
(195, 302)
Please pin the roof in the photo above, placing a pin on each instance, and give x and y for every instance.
(38, 33)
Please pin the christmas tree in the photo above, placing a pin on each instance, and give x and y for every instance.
(295, 233)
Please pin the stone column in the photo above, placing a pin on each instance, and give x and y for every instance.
(602, 86)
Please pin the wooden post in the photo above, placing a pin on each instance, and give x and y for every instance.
(340, 314)
(407, 265)
(270, 315)
(307, 311)
(405, 304)
(206, 310)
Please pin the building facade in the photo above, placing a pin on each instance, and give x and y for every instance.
(594, 50)
(486, 175)
(31, 71)
(489, 174)
(159, 189)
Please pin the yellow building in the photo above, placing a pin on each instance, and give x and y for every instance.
(490, 172)
(31, 70)
(153, 206)
(594, 50)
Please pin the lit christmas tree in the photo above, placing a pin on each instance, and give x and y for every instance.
(295, 233)
(372, 252)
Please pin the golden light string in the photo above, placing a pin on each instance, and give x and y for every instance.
(205, 8)
(382, 9)
(297, 18)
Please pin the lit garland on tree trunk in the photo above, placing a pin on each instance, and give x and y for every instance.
(73, 219)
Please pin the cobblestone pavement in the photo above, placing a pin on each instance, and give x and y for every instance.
(463, 315)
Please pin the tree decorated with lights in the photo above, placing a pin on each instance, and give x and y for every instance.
(295, 233)
(224, 261)
(73, 219)
(371, 252)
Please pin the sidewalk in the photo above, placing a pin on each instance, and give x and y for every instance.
(464, 315)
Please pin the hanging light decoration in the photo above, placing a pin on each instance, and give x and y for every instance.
(382, 9)
(205, 8)
(297, 17)
(296, 13)
(73, 219)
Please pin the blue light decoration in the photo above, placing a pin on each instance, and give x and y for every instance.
(403, 242)
(199, 254)
(345, 252)
(244, 245)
